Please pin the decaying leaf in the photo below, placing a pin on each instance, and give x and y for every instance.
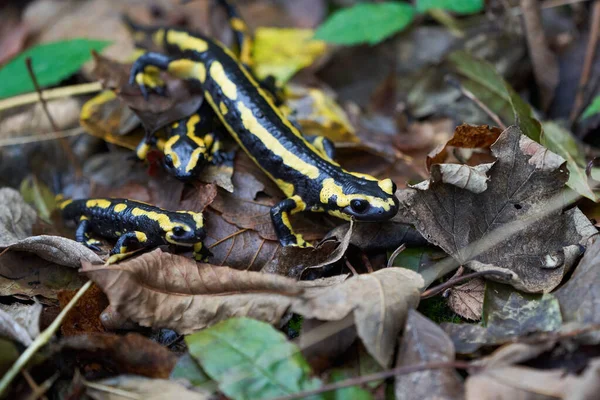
(138, 387)
(16, 221)
(129, 354)
(84, 317)
(20, 322)
(379, 302)
(510, 313)
(579, 298)
(424, 342)
(473, 227)
(164, 290)
(467, 299)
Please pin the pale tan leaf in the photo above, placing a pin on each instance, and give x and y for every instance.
(379, 302)
(466, 300)
(20, 322)
(138, 387)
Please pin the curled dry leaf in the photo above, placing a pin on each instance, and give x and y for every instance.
(138, 387)
(16, 221)
(379, 303)
(510, 226)
(20, 322)
(164, 290)
(424, 341)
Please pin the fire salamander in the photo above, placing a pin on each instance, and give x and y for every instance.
(133, 224)
(304, 171)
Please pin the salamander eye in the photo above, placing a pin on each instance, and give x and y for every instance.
(169, 161)
(359, 206)
(178, 231)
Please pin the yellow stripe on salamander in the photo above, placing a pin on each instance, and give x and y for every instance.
(220, 77)
(184, 68)
(120, 207)
(100, 203)
(169, 150)
(185, 41)
(269, 141)
(331, 190)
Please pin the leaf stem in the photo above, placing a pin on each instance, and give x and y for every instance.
(406, 369)
(41, 340)
(451, 282)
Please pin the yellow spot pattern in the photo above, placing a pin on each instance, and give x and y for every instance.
(223, 108)
(141, 237)
(187, 69)
(100, 203)
(331, 189)
(120, 207)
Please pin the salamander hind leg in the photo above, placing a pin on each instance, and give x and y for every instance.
(201, 253)
(82, 235)
(324, 145)
(280, 215)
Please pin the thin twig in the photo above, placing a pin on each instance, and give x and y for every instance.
(587, 63)
(350, 267)
(41, 340)
(366, 261)
(451, 282)
(50, 94)
(63, 142)
(41, 137)
(395, 254)
(407, 369)
(468, 94)
(36, 392)
(39, 391)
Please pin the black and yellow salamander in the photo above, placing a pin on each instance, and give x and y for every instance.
(305, 172)
(134, 225)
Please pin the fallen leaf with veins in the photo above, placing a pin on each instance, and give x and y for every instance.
(20, 322)
(466, 300)
(522, 182)
(163, 290)
(422, 342)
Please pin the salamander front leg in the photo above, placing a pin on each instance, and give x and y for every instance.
(82, 235)
(280, 215)
(145, 72)
(201, 253)
(125, 241)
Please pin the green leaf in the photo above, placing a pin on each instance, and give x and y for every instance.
(455, 6)
(592, 109)
(493, 91)
(352, 392)
(560, 141)
(38, 195)
(52, 62)
(250, 359)
(366, 23)
(187, 368)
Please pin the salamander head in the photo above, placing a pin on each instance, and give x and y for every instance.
(364, 198)
(185, 155)
(186, 228)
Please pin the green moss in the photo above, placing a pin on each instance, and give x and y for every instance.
(438, 311)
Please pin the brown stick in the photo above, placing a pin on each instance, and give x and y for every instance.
(468, 94)
(587, 63)
(377, 376)
(545, 66)
(451, 282)
(63, 142)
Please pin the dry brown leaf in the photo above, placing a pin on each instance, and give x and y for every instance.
(20, 322)
(16, 221)
(164, 290)
(143, 388)
(423, 341)
(466, 300)
(379, 302)
(526, 177)
(84, 317)
(26, 274)
(129, 354)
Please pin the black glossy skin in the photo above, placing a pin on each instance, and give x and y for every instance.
(108, 218)
(290, 160)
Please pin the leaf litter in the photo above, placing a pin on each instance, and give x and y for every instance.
(262, 321)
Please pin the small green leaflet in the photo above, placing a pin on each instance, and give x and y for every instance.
(366, 23)
(250, 359)
(52, 62)
(455, 6)
(592, 109)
